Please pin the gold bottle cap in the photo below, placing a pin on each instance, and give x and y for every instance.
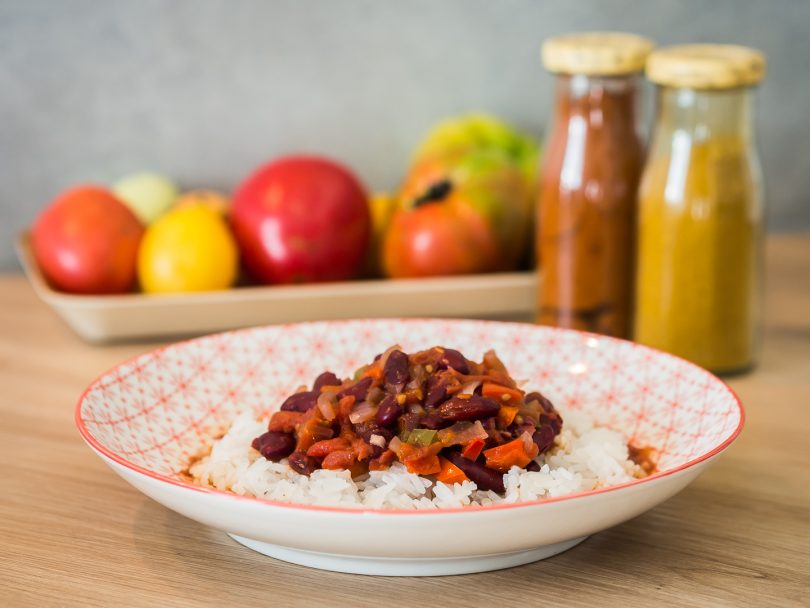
(706, 66)
(596, 53)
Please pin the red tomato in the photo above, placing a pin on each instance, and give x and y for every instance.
(301, 219)
(86, 241)
(438, 239)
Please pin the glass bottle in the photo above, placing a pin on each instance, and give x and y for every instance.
(589, 177)
(701, 209)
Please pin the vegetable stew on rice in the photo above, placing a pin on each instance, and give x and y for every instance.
(436, 411)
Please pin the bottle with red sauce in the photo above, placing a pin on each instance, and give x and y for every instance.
(589, 179)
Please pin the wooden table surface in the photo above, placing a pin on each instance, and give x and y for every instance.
(74, 534)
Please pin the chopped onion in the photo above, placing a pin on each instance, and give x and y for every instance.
(327, 401)
(418, 376)
(395, 444)
(375, 395)
(363, 412)
(469, 388)
(462, 432)
(532, 410)
(377, 440)
(528, 442)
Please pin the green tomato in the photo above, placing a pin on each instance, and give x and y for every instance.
(148, 195)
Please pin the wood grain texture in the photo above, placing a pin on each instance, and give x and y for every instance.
(73, 534)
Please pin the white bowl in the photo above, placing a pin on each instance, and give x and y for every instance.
(147, 417)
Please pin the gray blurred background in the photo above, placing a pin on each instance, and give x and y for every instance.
(205, 90)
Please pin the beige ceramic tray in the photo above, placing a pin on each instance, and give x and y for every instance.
(139, 316)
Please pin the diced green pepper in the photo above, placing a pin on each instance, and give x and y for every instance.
(422, 437)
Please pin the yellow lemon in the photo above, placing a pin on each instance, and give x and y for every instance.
(190, 248)
(217, 201)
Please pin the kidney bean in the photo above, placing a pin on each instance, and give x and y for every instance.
(452, 358)
(553, 420)
(533, 466)
(388, 412)
(485, 478)
(408, 422)
(544, 437)
(474, 408)
(325, 379)
(274, 445)
(395, 372)
(516, 430)
(542, 400)
(365, 430)
(436, 391)
(300, 402)
(301, 463)
(432, 421)
(358, 390)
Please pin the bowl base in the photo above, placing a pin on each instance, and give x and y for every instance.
(392, 566)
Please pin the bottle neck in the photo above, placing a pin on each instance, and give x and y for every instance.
(706, 114)
(606, 102)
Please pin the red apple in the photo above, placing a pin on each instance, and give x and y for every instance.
(86, 241)
(301, 219)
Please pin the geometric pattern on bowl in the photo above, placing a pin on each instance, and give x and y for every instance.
(155, 412)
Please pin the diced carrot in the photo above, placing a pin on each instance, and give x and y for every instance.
(345, 406)
(330, 387)
(323, 448)
(450, 473)
(507, 414)
(285, 421)
(312, 429)
(426, 465)
(373, 371)
(504, 457)
(473, 449)
(422, 460)
(501, 393)
(340, 459)
(361, 449)
(383, 461)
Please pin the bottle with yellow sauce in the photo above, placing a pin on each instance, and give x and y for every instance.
(699, 275)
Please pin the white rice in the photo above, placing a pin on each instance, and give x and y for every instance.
(585, 457)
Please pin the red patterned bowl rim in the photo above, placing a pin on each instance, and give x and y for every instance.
(102, 450)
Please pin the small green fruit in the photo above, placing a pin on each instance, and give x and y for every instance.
(148, 195)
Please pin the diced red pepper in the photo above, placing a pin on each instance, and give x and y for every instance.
(473, 449)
